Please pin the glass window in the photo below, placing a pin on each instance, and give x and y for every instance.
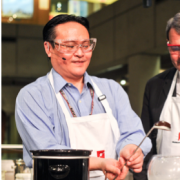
(18, 9)
(77, 7)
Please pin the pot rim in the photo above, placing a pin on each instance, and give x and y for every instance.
(60, 157)
(61, 152)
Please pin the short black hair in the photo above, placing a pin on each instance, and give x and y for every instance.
(174, 23)
(49, 28)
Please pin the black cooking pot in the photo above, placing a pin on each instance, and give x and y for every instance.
(61, 164)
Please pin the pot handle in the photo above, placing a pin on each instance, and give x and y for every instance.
(59, 171)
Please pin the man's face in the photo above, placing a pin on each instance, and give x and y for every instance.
(76, 63)
(174, 38)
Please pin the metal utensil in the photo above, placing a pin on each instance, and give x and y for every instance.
(163, 125)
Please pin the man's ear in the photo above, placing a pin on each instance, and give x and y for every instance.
(47, 48)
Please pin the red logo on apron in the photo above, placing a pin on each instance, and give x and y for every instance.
(179, 137)
(101, 154)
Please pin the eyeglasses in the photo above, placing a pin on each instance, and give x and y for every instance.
(173, 48)
(71, 46)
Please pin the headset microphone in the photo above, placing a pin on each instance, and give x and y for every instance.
(59, 56)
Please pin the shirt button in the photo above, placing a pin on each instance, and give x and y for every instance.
(69, 84)
(80, 101)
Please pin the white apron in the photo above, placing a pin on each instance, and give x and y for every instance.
(99, 132)
(168, 142)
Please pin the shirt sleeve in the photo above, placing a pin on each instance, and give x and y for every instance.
(130, 125)
(35, 123)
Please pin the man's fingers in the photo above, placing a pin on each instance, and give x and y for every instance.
(138, 170)
(110, 176)
(113, 170)
(136, 166)
(138, 160)
(121, 161)
(123, 173)
(136, 155)
(135, 162)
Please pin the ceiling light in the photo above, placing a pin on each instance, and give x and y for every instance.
(123, 82)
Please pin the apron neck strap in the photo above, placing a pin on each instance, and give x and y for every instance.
(103, 101)
(172, 85)
(58, 96)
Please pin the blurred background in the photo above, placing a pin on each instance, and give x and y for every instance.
(131, 47)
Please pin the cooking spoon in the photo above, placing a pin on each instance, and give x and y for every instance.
(163, 125)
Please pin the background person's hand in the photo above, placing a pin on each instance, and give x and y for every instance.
(136, 161)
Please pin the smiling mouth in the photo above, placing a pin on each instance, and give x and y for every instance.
(78, 61)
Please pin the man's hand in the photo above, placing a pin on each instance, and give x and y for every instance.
(136, 161)
(110, 167)
(113, 167)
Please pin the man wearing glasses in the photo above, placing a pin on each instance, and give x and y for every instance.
(162, 101)
(68, 108)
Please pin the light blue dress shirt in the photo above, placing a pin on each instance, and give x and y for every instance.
(42, 125)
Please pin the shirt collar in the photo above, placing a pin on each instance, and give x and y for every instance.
(60, 82)
(87, 80)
